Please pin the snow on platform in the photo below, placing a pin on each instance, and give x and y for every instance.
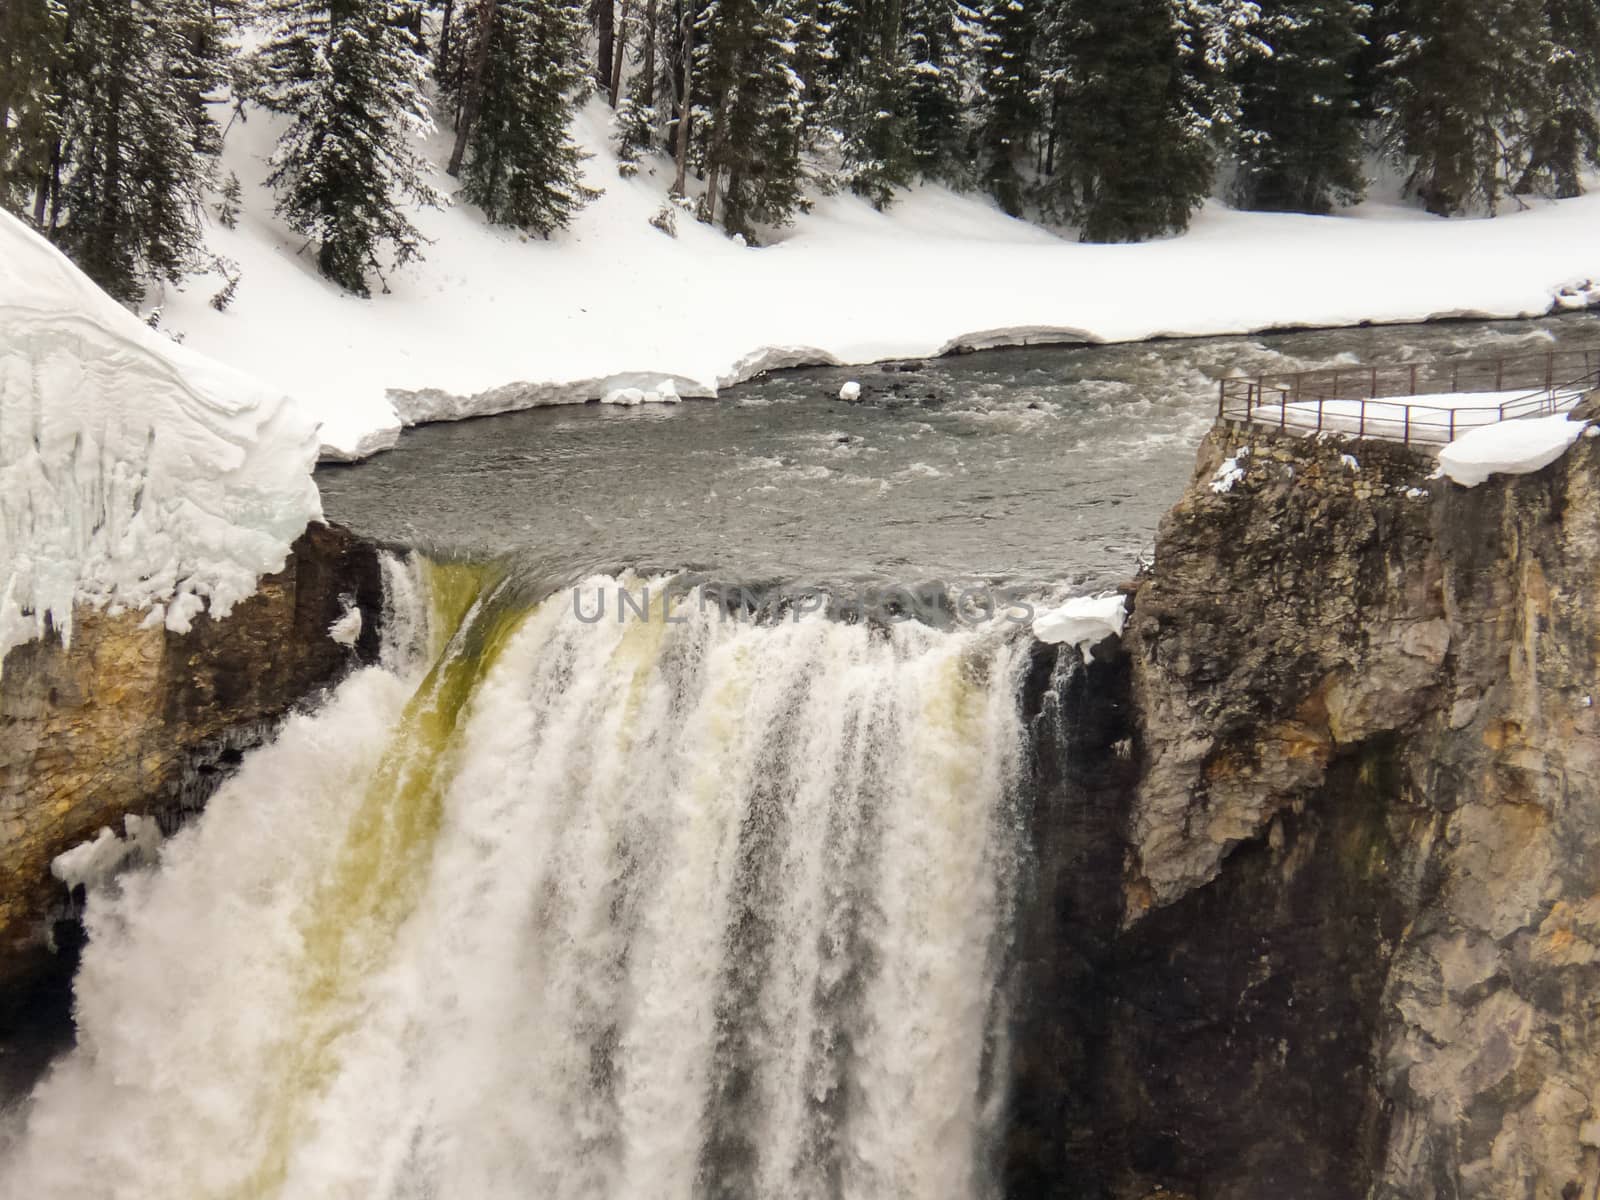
(1427, 418)
(1508, 448)
(493, 320)
(133, 471)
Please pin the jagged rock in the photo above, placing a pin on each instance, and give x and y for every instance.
(141, 720)
(1358, 942)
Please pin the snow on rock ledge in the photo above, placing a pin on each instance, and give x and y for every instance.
(1083, 621)
(133, 472)
(1517, 447)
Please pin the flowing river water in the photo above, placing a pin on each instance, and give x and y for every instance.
(667, 904)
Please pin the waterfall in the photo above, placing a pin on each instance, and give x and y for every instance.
(548, 906)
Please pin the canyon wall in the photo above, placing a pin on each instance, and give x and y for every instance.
(134, 720)
(1331, 914)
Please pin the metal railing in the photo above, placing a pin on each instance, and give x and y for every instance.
(1374, 401)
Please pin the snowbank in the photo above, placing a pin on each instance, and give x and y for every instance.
(133, 472)
(492, 320)
(1083, 621)
(1509, 448)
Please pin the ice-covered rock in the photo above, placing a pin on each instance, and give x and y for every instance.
(132, 471)
(850, 391)
(1083, 621)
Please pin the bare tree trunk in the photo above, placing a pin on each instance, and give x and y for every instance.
(605, 16)
(621, 53)
(650, 53)
(688, 94)
(443, 58)
(472, 92)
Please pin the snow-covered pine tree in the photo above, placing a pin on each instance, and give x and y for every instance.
(1558, 136)
(749, 130)
(1299, 140)
(1452, 80)
(1145, 96)
(514, 95)
(349, 75)
(868, 109)
(1008, 117)
(137, 143)
(32, 46)
(939, 53)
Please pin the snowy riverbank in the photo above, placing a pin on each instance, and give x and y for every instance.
(493, 321)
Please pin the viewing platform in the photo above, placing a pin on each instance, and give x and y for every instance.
(1427, 403)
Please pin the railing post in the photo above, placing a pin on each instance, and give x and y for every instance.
(1452, 424)
(1222, 397)
(1405, 438)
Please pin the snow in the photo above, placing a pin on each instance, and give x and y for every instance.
(346, 629)
(91, 863)
(1509, 448)
(1083, 621)
(1230, 472)
(134, 472)
(492, 320)
(851, 391)
(1428, 418)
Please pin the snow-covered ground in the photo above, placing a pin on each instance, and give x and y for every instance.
(133, 472)
(492, 320)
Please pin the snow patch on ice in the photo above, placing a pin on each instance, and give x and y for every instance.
(133, 471)
(1508, 448)
(850, 391)
(1083, 622)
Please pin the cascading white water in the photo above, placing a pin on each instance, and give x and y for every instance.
(624, 909)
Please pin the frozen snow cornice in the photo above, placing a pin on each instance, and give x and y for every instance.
(133, 472)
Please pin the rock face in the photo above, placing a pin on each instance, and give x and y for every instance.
(144, 721)
(1354, 943)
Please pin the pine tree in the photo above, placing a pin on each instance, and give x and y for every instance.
(32, 47)
(520, 72)
(868, 108)
(1009, 117)
(1453, 78)
(939, 38)
(349, 75)
(750, 130)
(1299, 142)
(1558, 136)
(1135, 117)
(136, 143)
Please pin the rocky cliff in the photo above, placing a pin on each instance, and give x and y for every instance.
(1331, 920)
(136, 720)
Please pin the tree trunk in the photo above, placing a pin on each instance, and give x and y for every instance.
(621, 53)
(472, 90)
(604, 15)
(649, 92)
(688, 93)
(443, 57)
